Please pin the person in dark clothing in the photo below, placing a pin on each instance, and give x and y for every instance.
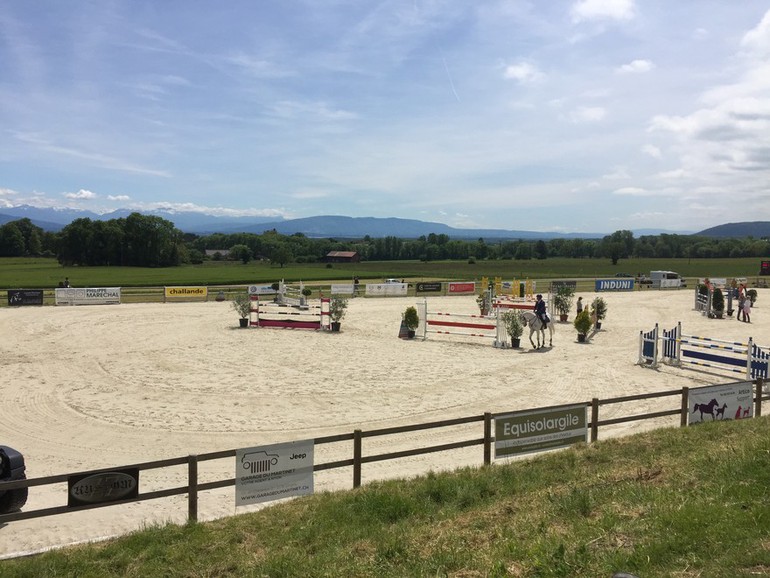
(540, 310)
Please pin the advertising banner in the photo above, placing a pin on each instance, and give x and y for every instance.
(267, 473)
(386, 289)
(459, 288)
(18, 297)
(261, 289)
(343, 289)
(719, 402)
(103, 487)
(614, 284)
(88, 296)
(526, 432)
(186, 293)
(433, 287)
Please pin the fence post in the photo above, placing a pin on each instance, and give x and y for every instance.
(487, 438)
(357, 458)
(192, 488)
(594, 419)
(758, 397)
(685, 406)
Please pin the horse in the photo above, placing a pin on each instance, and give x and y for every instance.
(536, 325)
(705, 408)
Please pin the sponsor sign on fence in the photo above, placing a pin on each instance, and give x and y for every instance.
(434, 287)
(261, 289)
(614, 284)
(18, 297)
(102, 487)
(720, 402)
(343, 289)
(525, 432)
(459, 288)
(88, 296)
(387, 289)
(185, 293)
(267, 473)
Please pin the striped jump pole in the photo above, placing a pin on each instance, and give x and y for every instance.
(290, 317)
(493, 326)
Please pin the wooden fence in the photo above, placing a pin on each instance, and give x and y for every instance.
(358, 459)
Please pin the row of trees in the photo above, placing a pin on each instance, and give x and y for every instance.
(151, 241)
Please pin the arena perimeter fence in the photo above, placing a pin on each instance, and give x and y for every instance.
(357, 461)
(156, 294)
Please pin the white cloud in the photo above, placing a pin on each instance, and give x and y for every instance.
(587, 114)
(652, 151)
(523, 73)
(757, 40)
(82, 195)
(634, 191)
(603, 10)
(118, 197)
(636, 66)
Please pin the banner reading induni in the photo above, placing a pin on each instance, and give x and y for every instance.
(266, 473)
(525, 432)
(88, 296)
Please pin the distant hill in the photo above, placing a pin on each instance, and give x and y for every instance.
(325, 226)
(756, 229)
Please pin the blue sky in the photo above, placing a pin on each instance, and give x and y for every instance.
(563, 116)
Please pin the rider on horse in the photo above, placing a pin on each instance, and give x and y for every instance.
(540, 311)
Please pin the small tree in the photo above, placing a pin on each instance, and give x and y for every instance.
(338, 306)
(513, 323)
(242, 304)
(411, 318)
(563, 299)
(599, 308)
(718, 302)
(582, 322)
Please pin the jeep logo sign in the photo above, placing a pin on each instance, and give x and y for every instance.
(614, 284)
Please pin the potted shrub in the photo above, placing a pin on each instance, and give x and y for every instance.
(718, 303)
(306, 292)
(483, 300)
(242, 305)
(582, 324)
(598, 311)
(752, 294)
(563, 301)
(411, 320)
(513, 326)
(338, 305)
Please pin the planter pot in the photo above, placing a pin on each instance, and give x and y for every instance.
(581, 337)
(410, 334)
(563, 317)
(335, 326)
(729, 312)
(244, 322)
(598, 325)
(515, 342)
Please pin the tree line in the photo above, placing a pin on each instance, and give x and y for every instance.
(151, 241)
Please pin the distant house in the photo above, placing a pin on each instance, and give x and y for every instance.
(342, 257)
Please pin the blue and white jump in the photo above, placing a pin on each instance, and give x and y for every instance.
(680, 350)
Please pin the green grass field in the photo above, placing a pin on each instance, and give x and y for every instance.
(29, 273)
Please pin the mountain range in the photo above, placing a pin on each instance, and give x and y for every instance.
(337, 226)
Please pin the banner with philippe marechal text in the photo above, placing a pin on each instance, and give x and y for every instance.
(526, 432)
(267, 473)
(88, 296)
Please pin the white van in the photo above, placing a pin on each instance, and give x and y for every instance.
(666, 279)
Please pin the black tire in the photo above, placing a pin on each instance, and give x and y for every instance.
(13, 500)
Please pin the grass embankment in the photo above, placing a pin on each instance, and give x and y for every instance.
(688, 502)
(29, 273)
